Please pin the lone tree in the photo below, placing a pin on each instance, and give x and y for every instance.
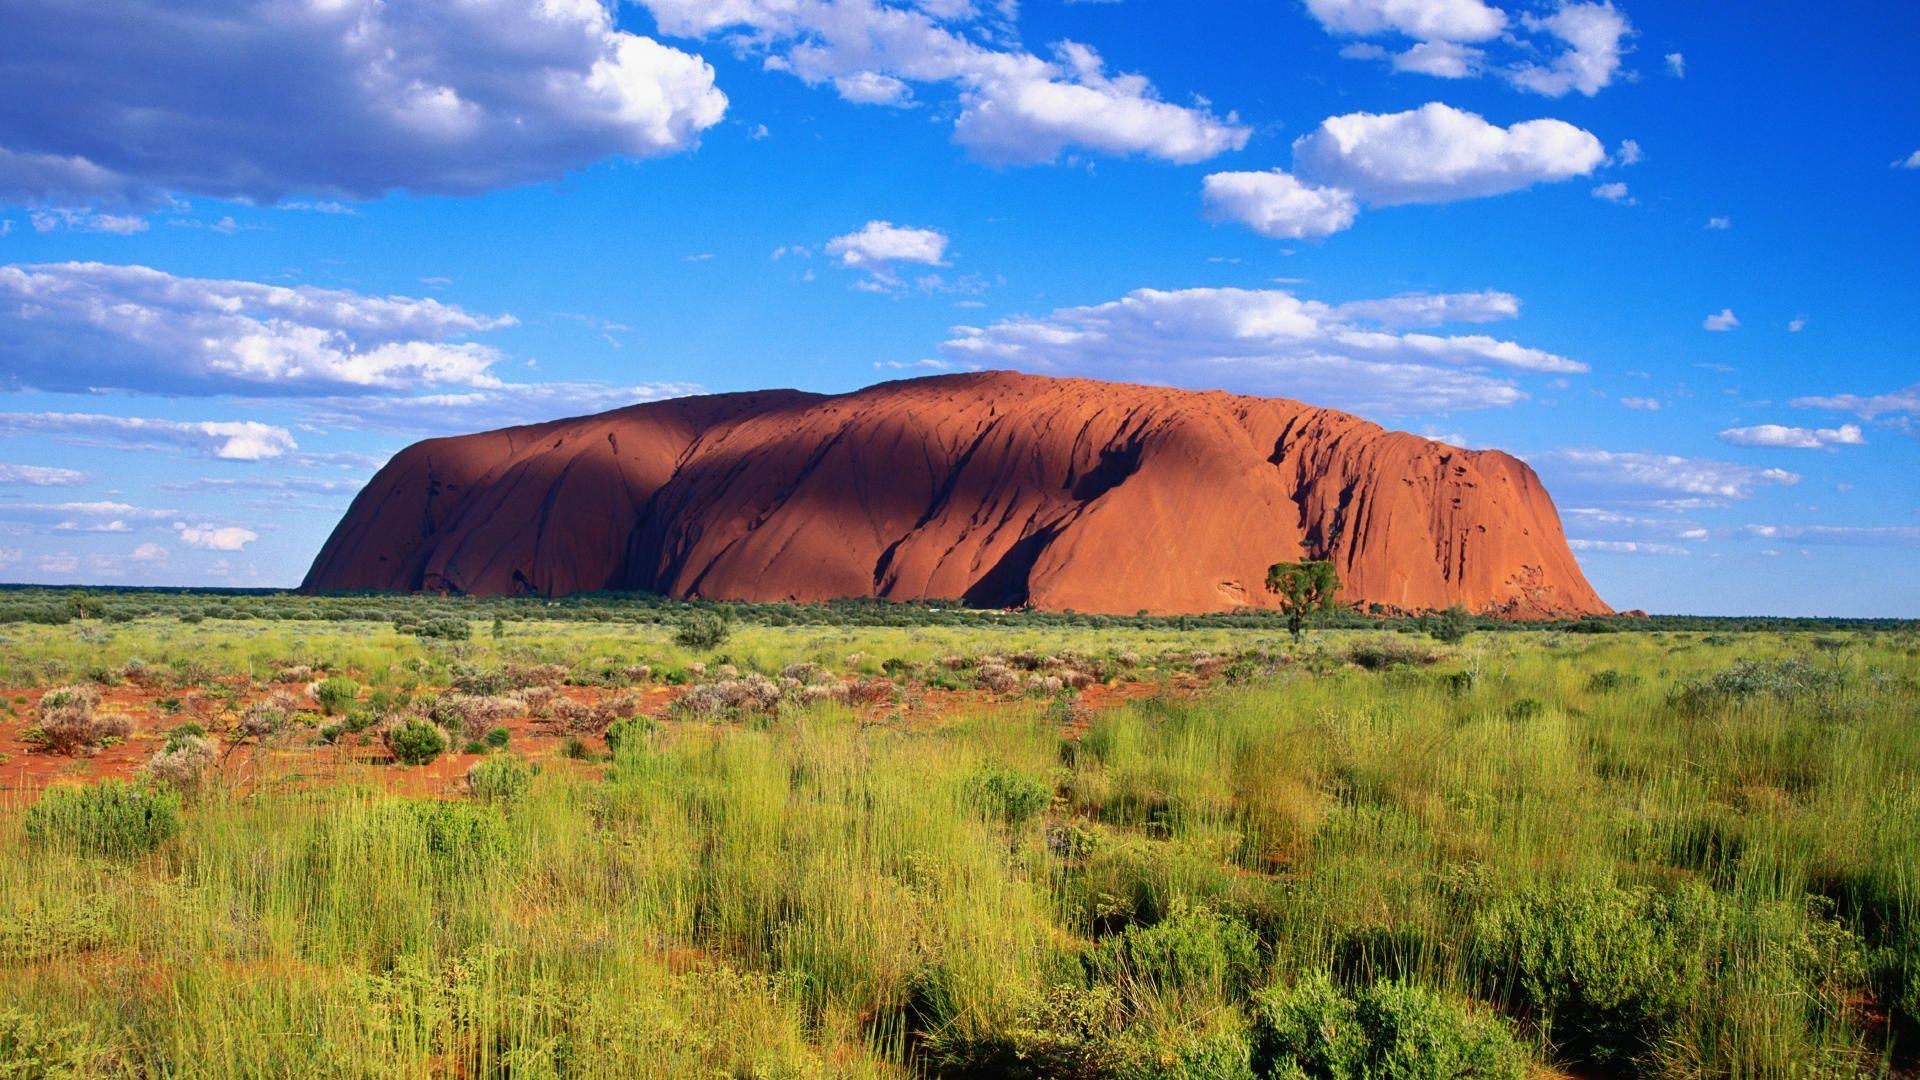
(1306, 589)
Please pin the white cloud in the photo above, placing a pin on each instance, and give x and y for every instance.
(1592, 33)
(882, 243)
(1423, 20)
(83, 326)
(1794, 438)
(1676, 65)
(149, 554)
(1836, 534)
(1433, 154)
(1272, 342)
(872, 88)
(211, 538)
(347, 98)
(61, 563)
(1610, 469)
(233, 440)
(1015, 108)
(1441, 59)
(40, 475)
(1796, 324)
(1723, 321)
(1275, 204)
(1576, 47)
(1615, 192)
(1438, 153)
(1629, 153)
(1719, 223)
(1867, 406)
(1911, 161)
(1625, 547)
(73, 220)
(1645, 404)
(506, 405)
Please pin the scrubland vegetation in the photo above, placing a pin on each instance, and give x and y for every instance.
(1015, 849)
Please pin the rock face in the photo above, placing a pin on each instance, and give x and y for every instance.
(993, 488)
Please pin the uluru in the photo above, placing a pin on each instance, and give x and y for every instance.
(993, 489)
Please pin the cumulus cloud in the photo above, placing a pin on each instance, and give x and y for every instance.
(40, 476)
(1911, 161)
(1433, 154)
(1278, 205)
(348, 98)
(1015, 108)
(1424, 20)
(1721, 321)
(1719, 223)
(1615, 192)
(233, 440)
(212, 538)
(1578, 46)
(1438, 153)
(1780, 436)
(1677, 65)
(85, 326)
(1592, 36)
(882, 243)
(1270, 341)
(1611, 469)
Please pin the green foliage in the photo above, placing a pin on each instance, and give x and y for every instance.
(1193, 949)
(35, 1049)
(416, 742)
(1013, 798)
(1389, 1029)
(632, 732)
(702, 630)
(499, 779)
(1451, 626)
(336, 694)
(497, 738)
(1307, 590)
(109, 818)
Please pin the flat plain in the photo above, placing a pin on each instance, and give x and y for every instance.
(1024, 847)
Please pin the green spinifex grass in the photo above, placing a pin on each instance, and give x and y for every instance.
(1703, 863)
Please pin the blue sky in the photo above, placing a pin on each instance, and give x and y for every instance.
(249, 250)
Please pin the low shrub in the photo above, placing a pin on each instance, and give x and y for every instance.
(1195, 949)
(1388, 1029)
(32, 1048)
(112, 817)
(632, 732)
(1013, 798)
(702, 630)
(1609, 680)
(499, 779)
(69, 722)
(414, 742)
(751, 694)
(1782, 680)
(1609, 970)
(336, 694)
(182, 763)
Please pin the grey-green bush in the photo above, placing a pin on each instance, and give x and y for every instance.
(112, 817)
